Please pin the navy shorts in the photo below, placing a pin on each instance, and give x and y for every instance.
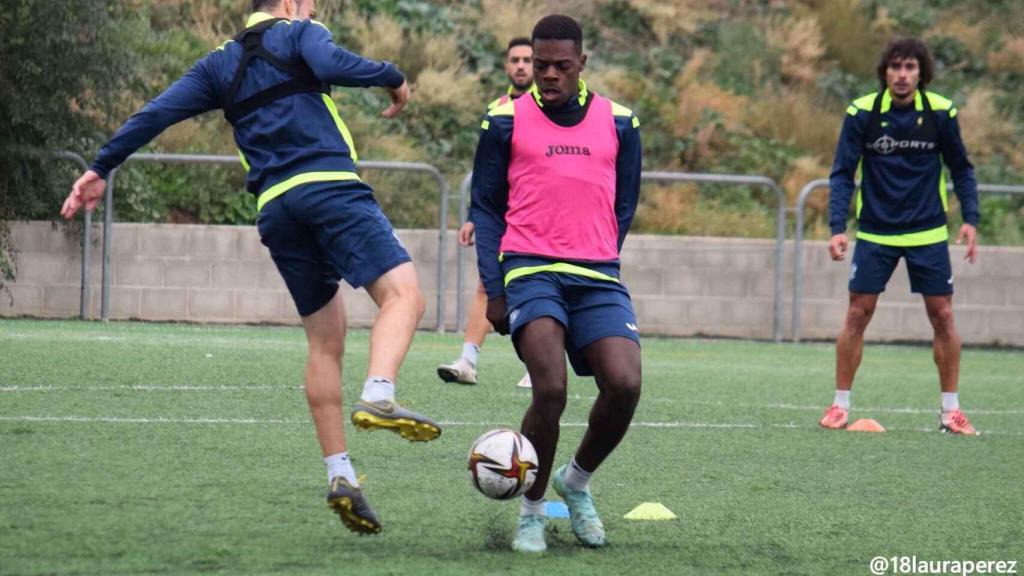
(588, 309)
(929, 268)
(321, 233)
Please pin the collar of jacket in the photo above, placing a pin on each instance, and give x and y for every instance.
(582, 96)
(258, 17)
(887, 101)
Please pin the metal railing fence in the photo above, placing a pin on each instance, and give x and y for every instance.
(86, 288)
(780, 230)
(442, 184)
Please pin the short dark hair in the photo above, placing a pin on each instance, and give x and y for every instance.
(559, 27)
(258, 5)
(902, 48)
(518, 41)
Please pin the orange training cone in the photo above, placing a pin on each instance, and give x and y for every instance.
(865, 425)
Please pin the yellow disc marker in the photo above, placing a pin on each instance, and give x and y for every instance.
(651, 511)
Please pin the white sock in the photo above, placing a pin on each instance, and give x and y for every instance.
(576, 478)
(377, 389)
(529, 507)
(470, 352)
(842, 399)
(950, 401)
(340, 465)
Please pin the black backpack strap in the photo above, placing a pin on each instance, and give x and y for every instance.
(929, 130)
(874, 128)
(303, 79)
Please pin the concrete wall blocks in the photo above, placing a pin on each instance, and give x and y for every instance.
(681, 286)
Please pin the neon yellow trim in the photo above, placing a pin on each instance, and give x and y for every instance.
(860, 199)
(535, 92)
(952, 112)
(583, 93)
(939, 102)
(485, 125)
(506, 109)
(245, 163)
(510, 90)
(864, 103)
(299, 179)
(886, 101)
(620, 110)
(558, 267)
(345, 134)
(918, 101)
(221, 47)
(321, 24)
(501, 257)
(923, 238)
(258, 17)
(852, 110)
(942, 190)
(494, 104)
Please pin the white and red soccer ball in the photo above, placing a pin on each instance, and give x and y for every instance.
(502, 464)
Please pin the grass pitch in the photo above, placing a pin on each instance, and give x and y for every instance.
(131, 448)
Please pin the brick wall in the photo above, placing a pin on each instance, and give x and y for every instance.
(681, 286)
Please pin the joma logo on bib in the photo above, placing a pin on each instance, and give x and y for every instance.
(567, 151)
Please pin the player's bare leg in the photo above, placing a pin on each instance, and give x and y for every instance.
(946, 350)
(617, 370)
(398, 296)
(542, 345)
(325, 333)
(849, 351)
(616, 364)
(463, 370)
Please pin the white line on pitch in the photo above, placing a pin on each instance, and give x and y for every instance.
(886, 410)
(126, 420)
(144, 388)
(654, 425)
(234, 388)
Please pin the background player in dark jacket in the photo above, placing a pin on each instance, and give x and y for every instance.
(899, 140)
(319, 220)
(519, 69)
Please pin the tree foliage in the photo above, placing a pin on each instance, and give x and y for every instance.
(743, 86)
(63, 68)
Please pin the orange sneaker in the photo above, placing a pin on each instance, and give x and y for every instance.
(955, 422)
(835, 418)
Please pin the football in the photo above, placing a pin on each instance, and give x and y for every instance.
(502, 464)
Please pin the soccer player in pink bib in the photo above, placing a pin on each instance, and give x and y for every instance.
(556, 181)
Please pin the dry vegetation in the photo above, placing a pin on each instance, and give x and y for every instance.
(791, 50)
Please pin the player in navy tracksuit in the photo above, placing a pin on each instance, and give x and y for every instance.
(318, 219)
(899, 139)
(556, 182)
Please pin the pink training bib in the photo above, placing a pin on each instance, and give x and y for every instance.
(561, 199)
